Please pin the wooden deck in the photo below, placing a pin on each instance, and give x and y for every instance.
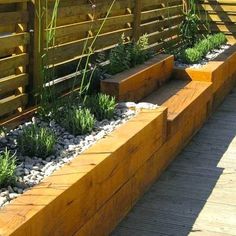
(197, 193)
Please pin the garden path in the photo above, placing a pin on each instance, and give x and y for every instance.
(196, 195)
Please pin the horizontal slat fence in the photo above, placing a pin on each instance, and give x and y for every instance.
(14, 38)
(78, 22)
(219, 15)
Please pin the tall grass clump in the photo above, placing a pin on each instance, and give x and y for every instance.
(36, 141)
(7, 168)
(87, 73)
(46, 96)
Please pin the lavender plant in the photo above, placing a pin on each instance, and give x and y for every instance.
(7, 168)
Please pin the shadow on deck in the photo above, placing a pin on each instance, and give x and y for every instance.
(197, 194)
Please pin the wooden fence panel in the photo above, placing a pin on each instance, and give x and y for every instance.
(79, 21)
(14, 38)
(219, 15)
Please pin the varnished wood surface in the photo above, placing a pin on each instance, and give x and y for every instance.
(185, 101)
(140, 81)
(73, 197)
(197, 194)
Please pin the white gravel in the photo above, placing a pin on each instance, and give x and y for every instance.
(209, 57)
(32, 170)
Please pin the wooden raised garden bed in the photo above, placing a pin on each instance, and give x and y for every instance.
(90, 195)
(138, 82)
(221, 72)
(96, 189)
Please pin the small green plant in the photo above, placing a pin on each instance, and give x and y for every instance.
(203, 46)
(125, 56)
(78, 121)
(36, 141)
(222, 38)
(102, 106)
(119, 58)
(191, 55)
(217, 40)
(7, 168)
(138, 51)
(200, 50)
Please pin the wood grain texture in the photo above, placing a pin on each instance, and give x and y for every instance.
(196, 194)
(182, 98)
(79, 22)
(221, 72)
(219, 16)
(96, 190)
(126, 197)
(137, 83)
(72, 195)
(14, 57)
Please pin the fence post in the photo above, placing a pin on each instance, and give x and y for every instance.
(137, 19)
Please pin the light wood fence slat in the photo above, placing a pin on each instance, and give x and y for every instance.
(13, 82)
(14, 17)
(9, 43)
(14, 57)
(219, 16)
(22, 44)
(160, 19)
(12, 103)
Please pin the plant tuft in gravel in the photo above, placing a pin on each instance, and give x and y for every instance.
(36, 141)
(78, 121)
(7, 168)
(102, 106)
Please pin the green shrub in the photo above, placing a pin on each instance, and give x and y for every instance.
(191, 56)
(7, 168)
(195, 54)
(214, 43)
(124, 56)
(102, 106)
(36, 141)
(138, 51)
(203, 46)
(78, 121)
(119, 58)
(217, 40)
(222, 38)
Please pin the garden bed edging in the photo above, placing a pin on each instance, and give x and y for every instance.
(64, 202)
(221, 72)
(138, 82)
